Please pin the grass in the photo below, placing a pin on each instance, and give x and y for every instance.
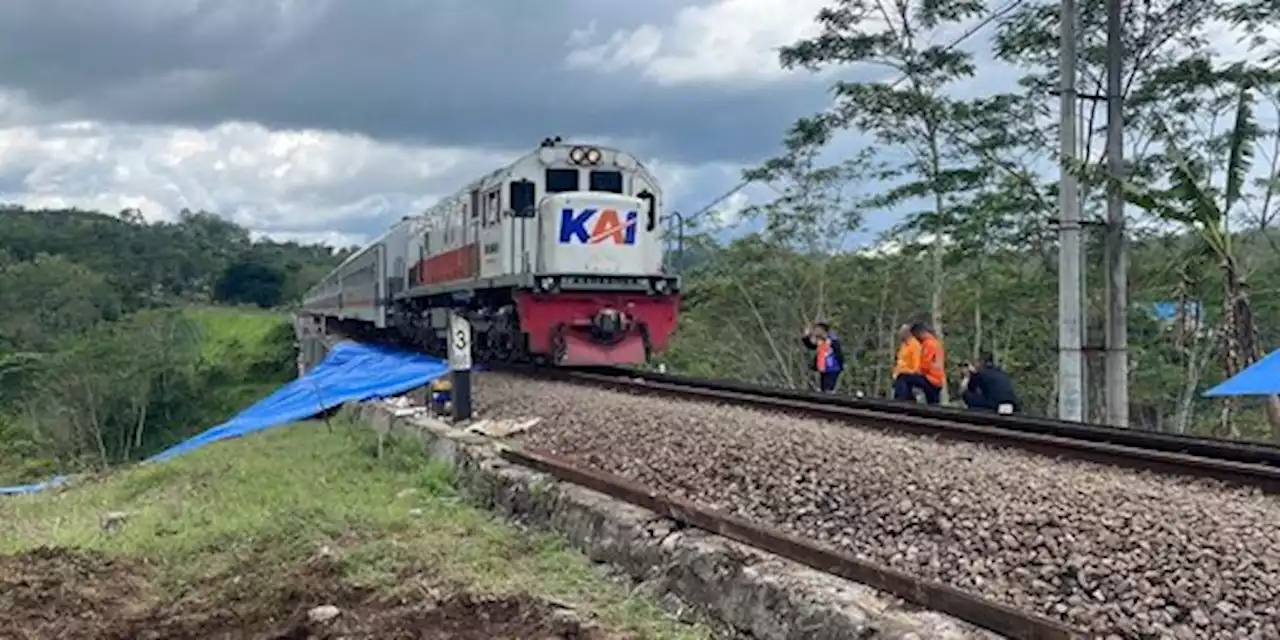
(249, 344)
(236, 357)
(231, 330)
(280, 496)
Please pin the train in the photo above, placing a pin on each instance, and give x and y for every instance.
(555, 258)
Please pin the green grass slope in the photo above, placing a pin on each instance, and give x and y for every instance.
(250, 350)
(242, 517)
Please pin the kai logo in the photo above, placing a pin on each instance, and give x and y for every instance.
(597, 226)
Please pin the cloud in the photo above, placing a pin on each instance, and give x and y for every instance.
(729, 213)
(328, 119)
(441, 73)
(282, 183)
(303, 185)
(726, 41)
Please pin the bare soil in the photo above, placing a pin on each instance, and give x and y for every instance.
(62, 593)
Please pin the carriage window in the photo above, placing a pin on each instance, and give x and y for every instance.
(521, 196)
(561, 180)
(608, 181)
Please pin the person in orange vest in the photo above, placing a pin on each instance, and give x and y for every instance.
(932, 362)
(828, 359)
(906, 371)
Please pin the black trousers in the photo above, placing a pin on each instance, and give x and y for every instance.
(904, 387)
(827, 381)
(975, 400)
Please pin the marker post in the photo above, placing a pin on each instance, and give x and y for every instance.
(460, 365)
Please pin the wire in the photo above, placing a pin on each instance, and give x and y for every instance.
(1003, 11)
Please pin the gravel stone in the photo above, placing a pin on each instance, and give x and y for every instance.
(1113, 551)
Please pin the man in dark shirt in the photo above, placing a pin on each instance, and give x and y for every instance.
(987, 386)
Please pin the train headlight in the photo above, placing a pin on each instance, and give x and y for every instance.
(593, 156)
(660, 286)
(548, 283)
(577, 155)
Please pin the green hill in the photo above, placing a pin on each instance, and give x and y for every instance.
(119, 337)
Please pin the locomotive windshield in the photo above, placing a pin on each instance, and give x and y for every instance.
(608, 181)
(521, 198)
(561, 180)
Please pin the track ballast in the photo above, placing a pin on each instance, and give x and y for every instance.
(1101, 548)
(1255, 464)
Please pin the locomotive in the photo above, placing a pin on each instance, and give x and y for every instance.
(556, 258)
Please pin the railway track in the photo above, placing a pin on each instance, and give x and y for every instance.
(990, 615)
(625, 458)
(1247, 463)
(982, 612)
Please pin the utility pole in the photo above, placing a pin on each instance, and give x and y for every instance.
(1117, 330)
(1070, 355)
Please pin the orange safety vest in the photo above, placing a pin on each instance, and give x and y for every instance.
(908, 358)
(932, 361)
(824, 348)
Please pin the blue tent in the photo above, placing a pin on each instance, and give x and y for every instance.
(1262, 378)
(350, 372)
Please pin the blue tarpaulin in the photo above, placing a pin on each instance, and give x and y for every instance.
(32, 488)
(350, 372)
(1262, 378)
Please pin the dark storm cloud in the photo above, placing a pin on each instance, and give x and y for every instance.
(458, 72)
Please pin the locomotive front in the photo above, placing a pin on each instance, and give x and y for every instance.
(601, 296)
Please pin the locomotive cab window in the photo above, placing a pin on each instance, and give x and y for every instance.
(607, 181)
(493, 211)
(521, 198)
(561, 180)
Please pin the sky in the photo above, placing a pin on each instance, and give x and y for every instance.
(325, 120)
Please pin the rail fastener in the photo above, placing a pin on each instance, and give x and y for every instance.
(931, 595)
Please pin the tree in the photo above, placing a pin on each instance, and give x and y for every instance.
(1204, 192)
(251, 282)
(48, 299)
(892, 34)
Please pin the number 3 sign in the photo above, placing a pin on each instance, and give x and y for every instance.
(460, 344)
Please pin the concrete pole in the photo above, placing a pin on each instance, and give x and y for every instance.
(460, 364)
(1070, 355)
(1117, 331)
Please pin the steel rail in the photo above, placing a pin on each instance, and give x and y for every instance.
(1247, 451)
(1249, 463)
(931, 595)
(1261, 476)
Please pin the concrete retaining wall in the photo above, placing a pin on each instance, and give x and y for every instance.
(756, 594)
(313, 341)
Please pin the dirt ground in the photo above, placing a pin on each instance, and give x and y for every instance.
(59, 593)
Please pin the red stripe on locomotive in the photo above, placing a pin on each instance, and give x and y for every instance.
(450, 266)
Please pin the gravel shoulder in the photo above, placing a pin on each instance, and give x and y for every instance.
(1110, 550)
